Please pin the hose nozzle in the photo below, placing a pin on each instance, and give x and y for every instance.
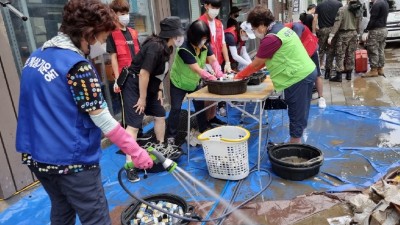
(168, 164)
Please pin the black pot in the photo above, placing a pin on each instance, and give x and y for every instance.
(130, 212)
(312, 159)
(257, 78)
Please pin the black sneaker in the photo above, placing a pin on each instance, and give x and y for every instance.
(216, 121)
(132, 175)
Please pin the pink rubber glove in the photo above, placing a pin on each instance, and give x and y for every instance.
(207, 76)
(128, 145)
(217, 69)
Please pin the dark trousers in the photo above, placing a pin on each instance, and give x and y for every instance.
(298, 97)
(79, 193)
(177, 96)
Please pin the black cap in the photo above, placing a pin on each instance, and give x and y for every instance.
(234, 10)
(171, 27)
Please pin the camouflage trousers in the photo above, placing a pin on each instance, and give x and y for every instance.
(325, 48)
(346, 45)
(376, 46)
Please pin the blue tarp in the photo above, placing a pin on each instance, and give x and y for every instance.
(360, 145)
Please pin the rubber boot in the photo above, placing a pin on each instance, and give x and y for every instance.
(372, 73)
(327, 74)
(337, 78)
(381, 71)
(348, 74)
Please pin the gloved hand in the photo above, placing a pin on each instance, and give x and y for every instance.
(227, 67)
(217, 69)
(247, 71)
(330, 40)
(207, 76)
(116, 87)
(128, 145)
(364, 37)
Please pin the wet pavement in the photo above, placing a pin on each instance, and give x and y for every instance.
(376, 91)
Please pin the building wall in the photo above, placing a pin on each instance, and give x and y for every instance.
(13, 176)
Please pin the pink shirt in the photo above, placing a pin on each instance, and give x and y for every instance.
(268, 46)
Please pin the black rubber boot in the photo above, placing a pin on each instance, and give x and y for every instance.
(348, 75)
(327, 74)
(337, 78)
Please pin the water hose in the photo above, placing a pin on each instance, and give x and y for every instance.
(190, 219)
(170, 166)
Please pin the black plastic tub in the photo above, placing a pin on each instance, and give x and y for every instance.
(295, 161)
(130, 212)
(227, 87)
(257, 78)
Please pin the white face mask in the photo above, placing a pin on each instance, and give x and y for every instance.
(97, 49)
(124, 19)
(213, 13)
(178, 41)
(202, 43)
(244, 38)
(259, 35)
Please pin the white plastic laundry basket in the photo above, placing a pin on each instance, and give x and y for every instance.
(226, 152)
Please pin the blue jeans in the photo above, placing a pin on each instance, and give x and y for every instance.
(177, 96)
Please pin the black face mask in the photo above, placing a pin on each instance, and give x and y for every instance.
(236, 15)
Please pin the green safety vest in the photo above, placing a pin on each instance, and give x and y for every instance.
(291, 63)
(182, 76)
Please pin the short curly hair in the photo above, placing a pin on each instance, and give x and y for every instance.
(260, 15)
(86, 18)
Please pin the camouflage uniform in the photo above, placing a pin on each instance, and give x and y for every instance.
(325, 48)
(376, 46)
(346, 45)
(346, 29)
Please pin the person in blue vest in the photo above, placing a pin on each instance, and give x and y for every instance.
(62, 113)
(187, 71)
(291, 69)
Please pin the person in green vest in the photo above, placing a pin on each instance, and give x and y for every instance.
(291, 69)
(187, 71)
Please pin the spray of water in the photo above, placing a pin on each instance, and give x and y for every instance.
(189, 187)
(186, 176)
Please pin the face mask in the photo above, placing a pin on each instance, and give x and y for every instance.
(244, 38)
(124, 19)
(213, 13)
(202, 43)
(97, 49)
(178, 41)
(258, 34)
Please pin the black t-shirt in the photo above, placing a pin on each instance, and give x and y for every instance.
(187, 57)
(231, 22)
(379, 13)
(230, 39)
(128, 37)
(152, 58)
(327, 11)
(308, 20)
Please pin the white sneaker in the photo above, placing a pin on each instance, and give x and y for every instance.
(321, 103)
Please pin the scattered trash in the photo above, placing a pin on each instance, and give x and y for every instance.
(343, 220)
(379, 207)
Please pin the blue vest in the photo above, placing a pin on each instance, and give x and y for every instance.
(50, 126)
